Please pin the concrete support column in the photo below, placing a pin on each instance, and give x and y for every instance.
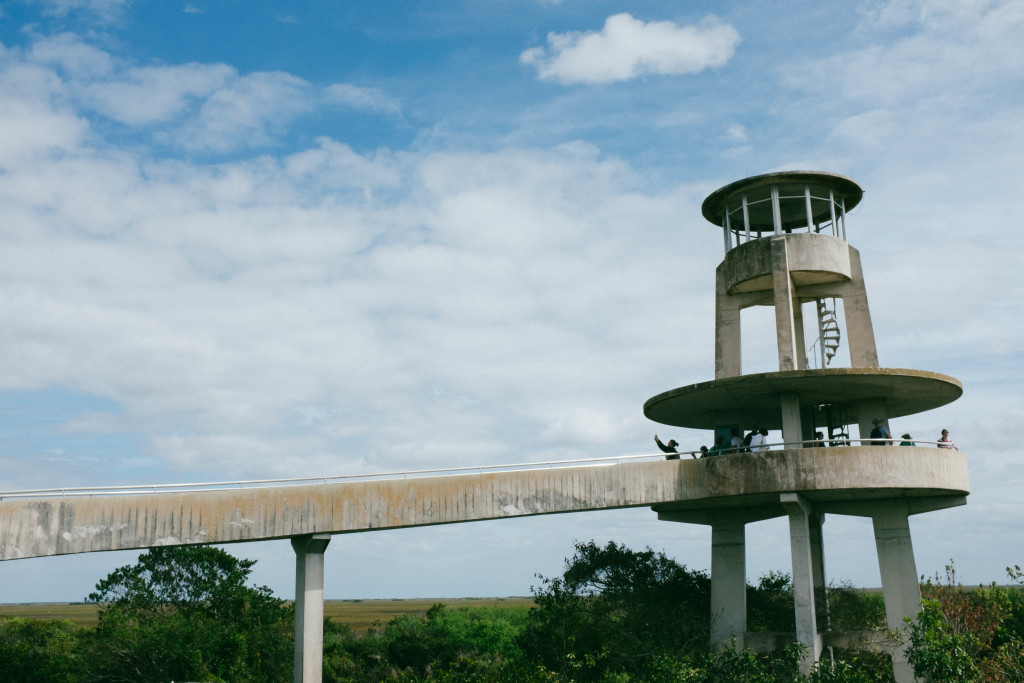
(309, 607)
(799, 339)
(782, 285)
(900, 583)
(728, 581)
(815, 522)
(860, 335)
(728, 359)
(800, 512)
(792, 430)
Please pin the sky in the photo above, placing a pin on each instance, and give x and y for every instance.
(246, 240)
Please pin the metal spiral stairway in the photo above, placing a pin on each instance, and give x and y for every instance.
(828, 332)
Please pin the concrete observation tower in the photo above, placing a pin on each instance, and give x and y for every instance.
(785, 237)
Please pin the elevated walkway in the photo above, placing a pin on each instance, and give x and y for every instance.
(60, 523)
(886, 483)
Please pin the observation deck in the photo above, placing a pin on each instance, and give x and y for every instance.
(786, 246)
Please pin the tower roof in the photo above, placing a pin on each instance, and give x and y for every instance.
(751, 400)
(790, 184)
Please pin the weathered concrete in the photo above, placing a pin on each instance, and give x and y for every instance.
(801, 520)
(900, 582)
(785, 303)
(59, 526)
(811, 259)
(309, 607)
(728, 580)
(779, 253)
(756, 399)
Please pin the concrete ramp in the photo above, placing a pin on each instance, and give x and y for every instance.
(36, 527)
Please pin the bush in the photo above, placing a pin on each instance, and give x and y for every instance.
(968, 635)
(34, 651)
(185, 613)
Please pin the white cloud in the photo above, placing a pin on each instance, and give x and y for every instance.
(155, 94)
(872, 129)
(107, 10)
(373, 99)
(246, 112)
(73, 56)
(946, 54)
(736, 133)
(197, 107)
(628, 48)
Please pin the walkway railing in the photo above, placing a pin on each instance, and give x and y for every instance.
(139, 489)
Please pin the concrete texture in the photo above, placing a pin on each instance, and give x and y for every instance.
(785, 245)
(58, 526)
(817, 259)
(750, 400)
(309, 607)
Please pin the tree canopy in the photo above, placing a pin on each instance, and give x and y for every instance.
(186, 613)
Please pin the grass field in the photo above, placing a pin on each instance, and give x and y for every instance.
(358, 614)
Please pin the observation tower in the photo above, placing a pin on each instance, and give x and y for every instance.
(785, 239)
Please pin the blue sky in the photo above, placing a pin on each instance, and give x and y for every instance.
(249, 240)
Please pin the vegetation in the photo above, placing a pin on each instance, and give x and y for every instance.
(969, 635)
(614, 616)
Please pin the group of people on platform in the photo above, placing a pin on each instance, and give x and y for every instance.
(756, 441)
(881, 435)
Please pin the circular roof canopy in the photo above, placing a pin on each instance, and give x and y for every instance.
(755, 400)
(789, 182)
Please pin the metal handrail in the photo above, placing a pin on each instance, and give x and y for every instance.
(297, 481)
(386, 476)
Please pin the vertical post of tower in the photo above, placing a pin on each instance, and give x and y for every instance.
(802, 551)
(859, 331)
(728, 359)
(783, 288)
(728, 580)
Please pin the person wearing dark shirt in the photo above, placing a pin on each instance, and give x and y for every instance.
(881, 436)
(670, 448)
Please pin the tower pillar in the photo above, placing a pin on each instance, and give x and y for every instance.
(782, 285)
(802, 549)
(728, 580)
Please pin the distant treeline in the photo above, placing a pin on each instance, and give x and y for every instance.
(614, 616)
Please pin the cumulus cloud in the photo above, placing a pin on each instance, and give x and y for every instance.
(106, 10)
(736, 133)
(246, 112)
(329, 310)
(941, 48)
(155, 94)
(871, 129)
(196, 107)
(372, 99)
(628, 48)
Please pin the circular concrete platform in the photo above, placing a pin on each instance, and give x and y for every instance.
(832, 478)
(750, 400)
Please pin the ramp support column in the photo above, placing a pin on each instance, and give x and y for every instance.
(900, 583)
(309, 607)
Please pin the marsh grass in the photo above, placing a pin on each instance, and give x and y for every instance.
(359, 615)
